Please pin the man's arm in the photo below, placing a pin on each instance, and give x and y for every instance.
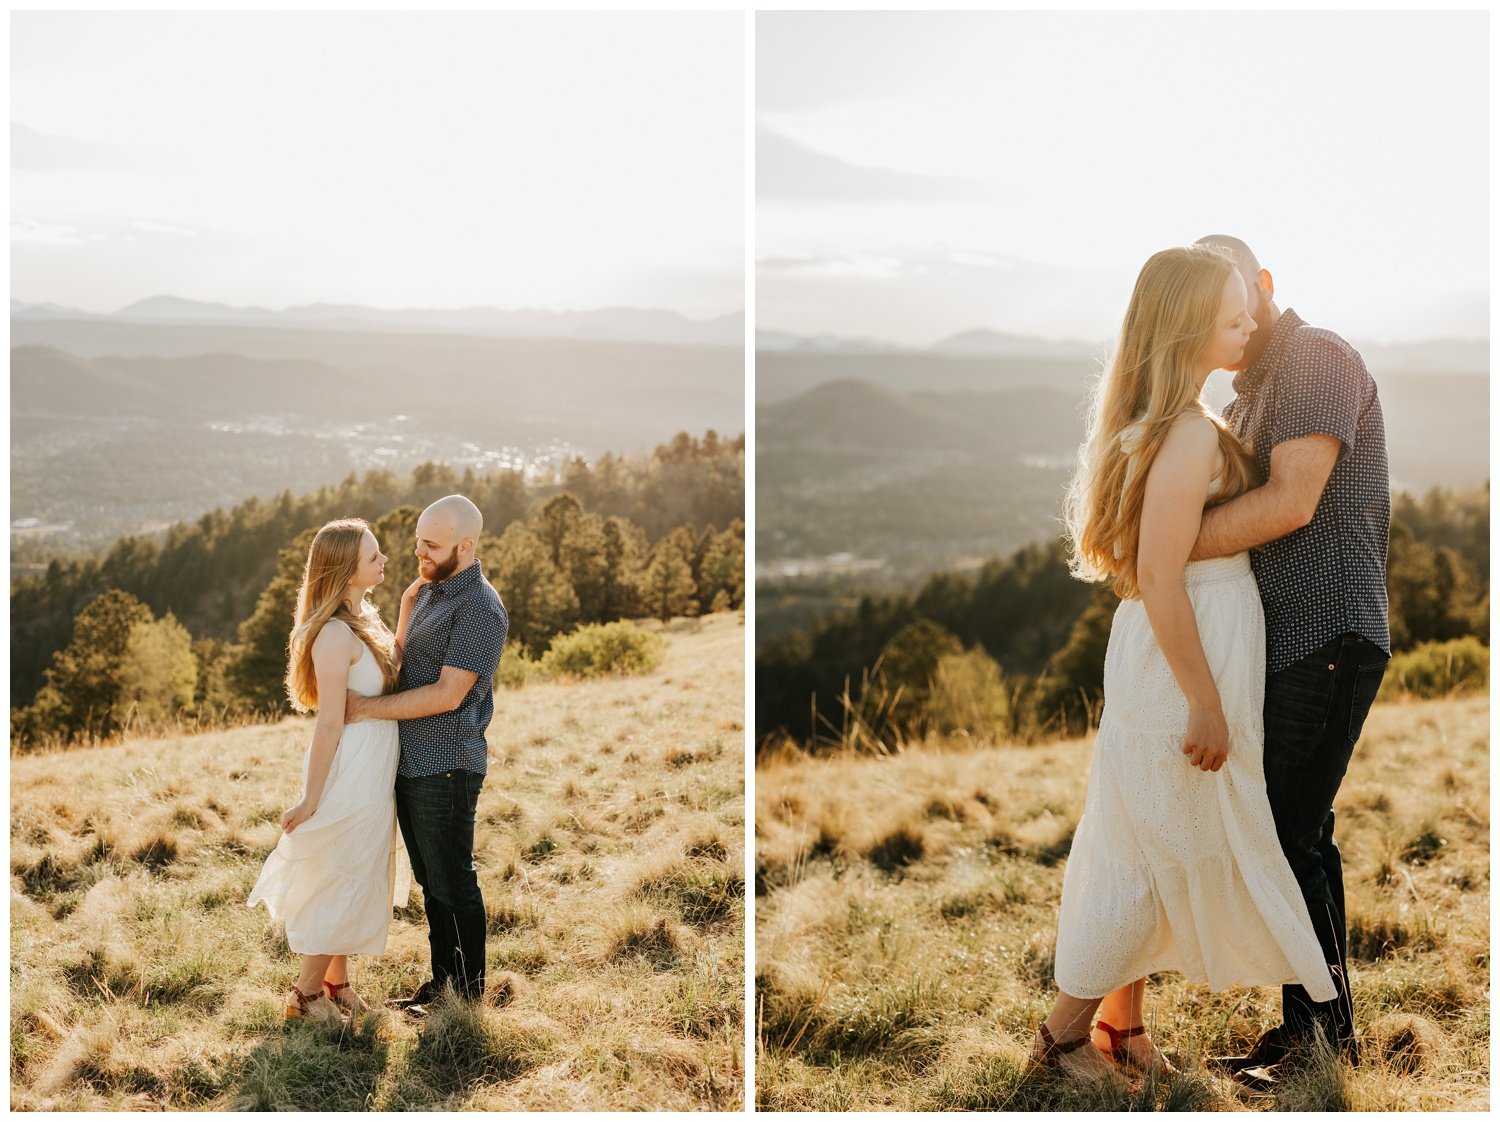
(1299, 471)
(443, 696)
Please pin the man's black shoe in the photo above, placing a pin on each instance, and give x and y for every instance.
(1261, 1079)
(1269, 1050)
(426, 994)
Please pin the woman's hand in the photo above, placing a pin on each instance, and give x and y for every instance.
(1206, 744)
(297, 815)
(410, 595)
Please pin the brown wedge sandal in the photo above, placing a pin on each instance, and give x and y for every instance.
(1122, 1055)
(314, 1007)
(1048, 1053)
(342, 994)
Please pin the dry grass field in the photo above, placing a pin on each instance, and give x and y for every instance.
(610, 847)
(905, 921)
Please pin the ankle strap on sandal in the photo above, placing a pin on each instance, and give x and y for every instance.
(1117, 1036)
(303, 999)
(334, 987)
(1051, 1049)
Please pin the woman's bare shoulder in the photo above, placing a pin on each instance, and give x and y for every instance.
(1192, 434)
(336, 637)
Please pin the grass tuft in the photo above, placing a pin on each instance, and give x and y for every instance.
(899, 849)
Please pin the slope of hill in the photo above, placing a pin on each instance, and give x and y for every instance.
(784, 374)
(913, 479)
(906, 915)
(610, 848)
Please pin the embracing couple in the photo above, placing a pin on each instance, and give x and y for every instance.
(399, 737)
(1249, 551)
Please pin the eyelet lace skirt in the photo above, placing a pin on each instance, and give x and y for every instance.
(1174, 868)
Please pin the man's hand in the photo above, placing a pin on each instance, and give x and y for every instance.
(1206, 744)
(354, 704)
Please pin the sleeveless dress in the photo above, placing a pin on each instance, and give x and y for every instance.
(335, 878)
(1172, 867)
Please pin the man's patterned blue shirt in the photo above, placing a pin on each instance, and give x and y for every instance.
(458, 622)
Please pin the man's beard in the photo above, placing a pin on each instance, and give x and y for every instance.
(441, 571)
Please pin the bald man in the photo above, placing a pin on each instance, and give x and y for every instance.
(449, 637)
(1317, 530)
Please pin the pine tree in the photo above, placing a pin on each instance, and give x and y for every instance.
(668, 587)
(624, 546)
(160, 674)
(257, 673)
(553, 521)
(538, 598)
(83, 694)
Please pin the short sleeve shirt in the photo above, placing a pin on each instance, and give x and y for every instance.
(1328, 577)
(458, 622)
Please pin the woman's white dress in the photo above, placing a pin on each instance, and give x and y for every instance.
(1172, 867)
(334, 879)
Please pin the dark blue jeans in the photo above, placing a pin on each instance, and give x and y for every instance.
(436, 813)
(1315, 710)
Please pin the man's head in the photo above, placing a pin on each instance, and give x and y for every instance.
(447, 535)
(1260, 291)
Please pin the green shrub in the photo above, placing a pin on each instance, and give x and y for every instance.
(517, 668)
(968, 696)
(597, 650)
(1440, 669)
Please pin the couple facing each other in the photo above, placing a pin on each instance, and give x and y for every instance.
(1249, 552)
(399, 738)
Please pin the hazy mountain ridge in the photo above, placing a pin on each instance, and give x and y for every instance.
(121, 427)
(1438, 356)
(650, 325)
(927, 479)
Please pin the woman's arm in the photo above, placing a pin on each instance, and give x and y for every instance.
(334, 652)
(1170, 517)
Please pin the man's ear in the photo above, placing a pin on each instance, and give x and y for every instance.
(1267, 285)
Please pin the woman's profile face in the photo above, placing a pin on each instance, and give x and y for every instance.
(371, 570)
(1232, 327)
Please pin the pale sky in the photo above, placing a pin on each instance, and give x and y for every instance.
(512, 159)
(920, 174)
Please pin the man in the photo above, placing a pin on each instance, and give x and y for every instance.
(1318, 530)
(455, 628)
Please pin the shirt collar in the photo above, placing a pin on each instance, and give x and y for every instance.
(1249, 380)
(459, 582)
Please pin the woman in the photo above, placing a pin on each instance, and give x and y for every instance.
(338, 866)
(1175, 864)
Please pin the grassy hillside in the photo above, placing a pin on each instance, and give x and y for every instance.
(906, 917)
(610, 849)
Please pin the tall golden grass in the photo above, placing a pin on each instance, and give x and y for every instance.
(610, 849)
(906, 911)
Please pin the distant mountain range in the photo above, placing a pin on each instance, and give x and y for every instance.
(121, 424)
(973, 463)
(979, 343)
(644, 325)
(1433, 357)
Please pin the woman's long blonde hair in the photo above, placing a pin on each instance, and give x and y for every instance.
(331, 563)
(1149, 383)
